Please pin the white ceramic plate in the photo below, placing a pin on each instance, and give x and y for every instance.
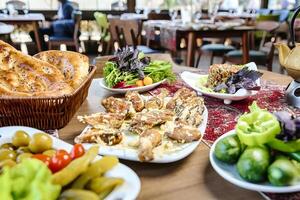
(123, 91)
(132, 154)
(230, 173)
(129, 190)
(192, 80)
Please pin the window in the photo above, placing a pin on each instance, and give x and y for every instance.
(281, 4)
(83, 4)
(224, 4)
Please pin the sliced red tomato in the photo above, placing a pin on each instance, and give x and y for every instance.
(77, 151)
(44, 158)
(59, 161)
(120, 84)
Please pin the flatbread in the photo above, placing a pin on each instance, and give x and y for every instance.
(23, 75)
(74, 66)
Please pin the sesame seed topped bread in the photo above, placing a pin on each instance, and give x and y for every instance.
(74, 66)
(219, 73)
(23, 75)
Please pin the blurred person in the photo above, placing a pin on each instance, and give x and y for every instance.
(63, 24)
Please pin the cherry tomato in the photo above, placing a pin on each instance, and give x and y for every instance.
(44, 158)
(77, 151)
(59, 161)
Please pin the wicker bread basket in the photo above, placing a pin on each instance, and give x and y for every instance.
(46, 113)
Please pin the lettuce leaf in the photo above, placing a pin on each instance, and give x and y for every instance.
(29, 180)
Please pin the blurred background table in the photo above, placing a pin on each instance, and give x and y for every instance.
(32, 19)
(170, 34)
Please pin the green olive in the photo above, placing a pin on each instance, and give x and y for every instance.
(21, 150)
(8, 146)
(7, 154)
(50, 152)
(40, 142)
(7, 163)
(20, 139)
(23, 156)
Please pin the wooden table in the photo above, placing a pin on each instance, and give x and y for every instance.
(192, 34)
(190, 178)
(32, 19)
(240, 32)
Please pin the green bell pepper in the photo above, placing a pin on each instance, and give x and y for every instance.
(295, 156)
(257, 127)
(288, 147)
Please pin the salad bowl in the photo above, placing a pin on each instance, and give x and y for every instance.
(193, 80)
(124, 90)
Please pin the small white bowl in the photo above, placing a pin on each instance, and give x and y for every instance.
(192, 80)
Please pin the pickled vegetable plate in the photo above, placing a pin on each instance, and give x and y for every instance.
(230, 173)
(128, 190)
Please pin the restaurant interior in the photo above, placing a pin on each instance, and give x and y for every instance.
(149, 99)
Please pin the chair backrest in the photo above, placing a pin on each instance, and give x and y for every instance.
(283, 14)
(268, 29)
(158, 16)
(18, 5)
(263, 11)
(125, 32)
(101, 20)
(77, 16)
(269, 17)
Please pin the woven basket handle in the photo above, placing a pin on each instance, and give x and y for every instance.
(292, 25)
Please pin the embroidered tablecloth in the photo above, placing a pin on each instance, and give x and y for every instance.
(222, 118)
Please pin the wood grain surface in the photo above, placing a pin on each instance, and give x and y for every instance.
(190, 178)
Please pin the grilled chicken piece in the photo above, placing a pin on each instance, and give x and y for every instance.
(149, 139)
(100, 120)
(145, 120)
(191, 111)
(136, 99)
(182, 95)
(154, 103)
(158, 101)
(117, 105)
(187, 106)
(182, 132)
(108, 136)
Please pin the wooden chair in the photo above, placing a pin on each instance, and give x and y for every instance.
(69, 41)
(158, 16)
(265, 54)
(128, 33)
(105, 37)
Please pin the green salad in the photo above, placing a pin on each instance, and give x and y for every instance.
(131, 68)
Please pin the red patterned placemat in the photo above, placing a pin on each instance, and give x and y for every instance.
(222, 118)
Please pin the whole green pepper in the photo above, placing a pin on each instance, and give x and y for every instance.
(228, 149)
(257, 127)
(253, 163)
(295, 156)
(289, 147)
(283, 172)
